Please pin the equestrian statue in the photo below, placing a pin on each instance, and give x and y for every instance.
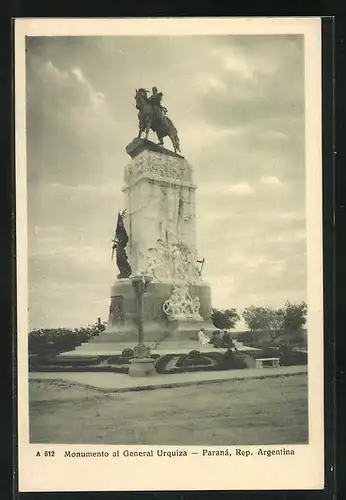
(152, 115)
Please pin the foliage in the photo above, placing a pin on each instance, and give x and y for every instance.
(55, 340)
(225, 319)
(221, 339)
(127, 353)
(290, 357)
(255, 318)
(294, 316)
(194, 358)
(288, 319)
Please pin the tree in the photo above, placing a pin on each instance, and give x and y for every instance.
(225, 319)
(275, 320)
(294, 316)
(288, 319)
(264, 319)
(255, 318)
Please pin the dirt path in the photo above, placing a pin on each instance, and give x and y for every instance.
(253, 411)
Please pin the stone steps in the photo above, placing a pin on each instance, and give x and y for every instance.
(188, 344)
(103, 348)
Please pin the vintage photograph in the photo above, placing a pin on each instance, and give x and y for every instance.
(167, 241)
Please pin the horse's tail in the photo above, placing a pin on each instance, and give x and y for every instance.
(171, 126)
(173, 132)
(177, 142)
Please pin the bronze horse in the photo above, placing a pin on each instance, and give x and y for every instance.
(148, 120)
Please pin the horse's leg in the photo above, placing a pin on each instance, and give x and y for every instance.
(140, 126)
(172, 138)
(175, 141)
(147, 128)
(160, 138)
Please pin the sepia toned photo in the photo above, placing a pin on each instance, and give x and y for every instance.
(169, 253)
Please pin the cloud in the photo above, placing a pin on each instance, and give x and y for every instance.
(69, 125)
(288, 236)
(219, 189)
(223, 288)
(271, 180)
(66, 87)
(273, 135)
(214, 83)
(241, 188)
(240, 119)
(81, 189)
(232, 59)
(71, 301)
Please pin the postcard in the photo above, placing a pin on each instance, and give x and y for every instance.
(169, 254)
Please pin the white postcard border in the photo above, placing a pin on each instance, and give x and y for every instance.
(303, 470)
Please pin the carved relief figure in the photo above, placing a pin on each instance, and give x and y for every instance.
(158, 165)
(184, 263)
(116, 310)
(181, 305)
(155, 265)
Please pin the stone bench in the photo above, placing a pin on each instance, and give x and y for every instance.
(267, 362)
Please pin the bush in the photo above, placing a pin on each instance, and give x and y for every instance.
(289, 357)
(52, 341)
(221, 339)
(127, 353)
(194, 358)
(161, 363)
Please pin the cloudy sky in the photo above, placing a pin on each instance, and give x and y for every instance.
(238, 105)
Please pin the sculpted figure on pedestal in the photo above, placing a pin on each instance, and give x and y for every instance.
(119, 245)
(152, 115)
(185, 268)
(181, 305)
(173, 261)
(159, 110)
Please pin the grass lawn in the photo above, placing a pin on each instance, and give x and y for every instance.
(244, 412)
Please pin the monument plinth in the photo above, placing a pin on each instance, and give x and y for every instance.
(160, 205)
(156, 238)
(138, 145)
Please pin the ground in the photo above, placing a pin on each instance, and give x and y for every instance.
(243, 412)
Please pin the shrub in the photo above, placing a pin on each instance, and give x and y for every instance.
(127, 353)
(50, 341)
(290, 358)
(221, 339)
(162, 362)
(194, 358)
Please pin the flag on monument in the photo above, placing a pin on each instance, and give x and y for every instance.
(120, 232)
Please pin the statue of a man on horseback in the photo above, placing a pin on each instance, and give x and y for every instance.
(155, 99)
(152, 115)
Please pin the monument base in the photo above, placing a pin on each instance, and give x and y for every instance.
(166, 346)
(183, 336)
(141, 367)
(187, 329)
(160, 334)
(122, 324)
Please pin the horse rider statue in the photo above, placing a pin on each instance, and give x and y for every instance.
(152, 115)
(155, 99)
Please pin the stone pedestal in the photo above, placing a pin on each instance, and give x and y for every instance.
(159, 195)
(122, 325)
(141, 367)
(159, 198)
